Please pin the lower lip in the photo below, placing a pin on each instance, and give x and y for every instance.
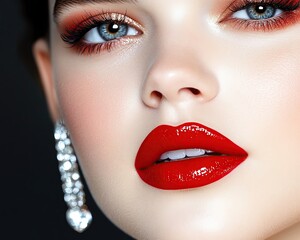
(191, 173)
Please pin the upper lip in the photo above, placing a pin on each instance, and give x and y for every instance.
(166, 138)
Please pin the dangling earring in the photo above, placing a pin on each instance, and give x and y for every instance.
(78, 216)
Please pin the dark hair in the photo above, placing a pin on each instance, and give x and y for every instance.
(36, 18)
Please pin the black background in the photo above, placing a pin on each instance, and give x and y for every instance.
(32, 205)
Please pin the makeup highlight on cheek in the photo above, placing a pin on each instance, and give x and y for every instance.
(282, 14)
(91, 32)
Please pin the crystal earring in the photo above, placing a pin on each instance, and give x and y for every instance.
(78, 216)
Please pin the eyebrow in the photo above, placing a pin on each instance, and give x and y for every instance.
(60, 5)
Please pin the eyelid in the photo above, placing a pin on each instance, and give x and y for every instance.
(124, 18)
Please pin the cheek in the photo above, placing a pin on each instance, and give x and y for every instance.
(265, 104)
(98, 104)
(263, 93)
(272, 90)
(268, 108)
(261, 104)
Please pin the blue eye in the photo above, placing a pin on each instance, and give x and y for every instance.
(258, 12)
(108, 31)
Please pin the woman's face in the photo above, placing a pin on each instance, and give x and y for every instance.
(119, 70)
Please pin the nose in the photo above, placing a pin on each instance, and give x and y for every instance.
(178, 77)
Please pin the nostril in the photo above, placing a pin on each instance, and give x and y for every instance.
(194, 91)
(189, 92)
(156, 95)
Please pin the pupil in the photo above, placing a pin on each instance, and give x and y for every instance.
(113, 28)
(260, 9)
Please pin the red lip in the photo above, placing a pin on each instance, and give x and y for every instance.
(193, 172)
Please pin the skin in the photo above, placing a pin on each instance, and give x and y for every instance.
(249, 91)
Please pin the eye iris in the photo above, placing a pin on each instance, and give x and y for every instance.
(111, 30)
(258, 12)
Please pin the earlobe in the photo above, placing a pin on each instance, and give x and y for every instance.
(42, 57)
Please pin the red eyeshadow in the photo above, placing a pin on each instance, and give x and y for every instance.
(72, 22)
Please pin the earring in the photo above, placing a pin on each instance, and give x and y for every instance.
(78, 216)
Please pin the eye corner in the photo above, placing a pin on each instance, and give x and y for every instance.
(135, 24)
(224, 17)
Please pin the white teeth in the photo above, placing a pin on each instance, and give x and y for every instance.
(164, 156)
(180, 154)
(194, 152)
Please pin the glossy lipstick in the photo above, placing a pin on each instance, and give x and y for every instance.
(220, 158)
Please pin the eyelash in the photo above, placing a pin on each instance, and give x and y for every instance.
(287, 17)
(74, 36)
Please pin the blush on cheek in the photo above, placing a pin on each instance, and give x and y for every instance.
(94, 114)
